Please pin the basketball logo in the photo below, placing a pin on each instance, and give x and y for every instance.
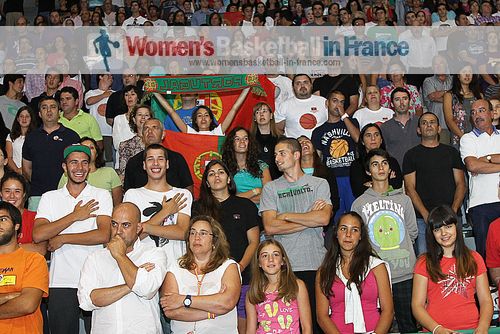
(308, 121)
(101, 110)
(338, 148)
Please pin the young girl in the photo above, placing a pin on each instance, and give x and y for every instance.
(447, 277)
(203, 118)
(277, 301)
(353, 283)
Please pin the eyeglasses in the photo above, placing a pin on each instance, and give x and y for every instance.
(201, 233)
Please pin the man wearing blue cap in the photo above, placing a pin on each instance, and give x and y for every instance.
(76, 221)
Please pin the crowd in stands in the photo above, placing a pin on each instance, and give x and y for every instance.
(340, 209)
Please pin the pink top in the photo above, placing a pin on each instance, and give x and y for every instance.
(369, 298)
(276, 316)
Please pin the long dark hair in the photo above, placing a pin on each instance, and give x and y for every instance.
(213, 121)
(320, 170)
(456, 86)
(440, 216)
(359, 262)
(16, 127)
(361, 147)
(207, 203)
(99, 156)
(252, 156)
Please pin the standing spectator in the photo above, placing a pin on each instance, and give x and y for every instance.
(344, 83)
(108, 13)
(76, 119)
(34, 84)
(458, 100)
(165, 210)
(120, 283)
(96, 101)
(10, 101)
(400, 132)
(371, 138)
(99, 176)
(24, 123)
(69, 82)
(302, 113)
(493, 251)
(373, 112)
(294, 209)
(13, 10)
(397, 80)
(433, 91)
(239, 152)
(135, 18)
(335, 142)
(201, 15)
(480, 151)
(178, 175)
(76, 221)
(27, 275)
(265, 133)
(115, 105)
(353, 282)
(392, 227)
(237, 216)
(448, 277)
(52, 80)
(43, 151)
(430, 166)
(195, 286)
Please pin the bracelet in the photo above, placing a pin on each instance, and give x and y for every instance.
(344, 116)
(434, 330)
(210, 315)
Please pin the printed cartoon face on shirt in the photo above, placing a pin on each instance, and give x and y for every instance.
(386, 232)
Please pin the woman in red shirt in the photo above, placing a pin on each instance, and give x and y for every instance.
(447, 277)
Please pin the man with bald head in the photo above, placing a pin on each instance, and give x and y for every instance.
(480, 151)
(120, 282)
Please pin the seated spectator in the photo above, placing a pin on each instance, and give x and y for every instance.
(216, 293)
(10, 100)
(349, 268)
(437, 303)
(99, 176)
(24, 123)
(371, 138)
(239, 152)
(27, 278)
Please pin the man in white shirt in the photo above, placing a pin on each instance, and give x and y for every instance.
(120, 283)
(480, 151)
(135, 19)
(165, 210)
(373, 112)
(441, 35)
(76, 221)
(302, 113)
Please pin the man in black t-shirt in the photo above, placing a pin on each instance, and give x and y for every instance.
(433, 174)
(344, 83)
(178, 171)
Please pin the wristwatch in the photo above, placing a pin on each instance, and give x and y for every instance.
(187, 301)
(488, 157)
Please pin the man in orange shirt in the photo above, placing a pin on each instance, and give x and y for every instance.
(24, 278)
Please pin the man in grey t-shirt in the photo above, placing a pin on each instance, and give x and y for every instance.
(294, 210)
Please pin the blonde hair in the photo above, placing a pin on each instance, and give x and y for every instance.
(272, 123)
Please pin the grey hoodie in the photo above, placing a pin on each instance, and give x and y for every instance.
(392, 228)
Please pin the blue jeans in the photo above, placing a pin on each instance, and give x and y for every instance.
(421, 245)
(482, 216)
(346, 196)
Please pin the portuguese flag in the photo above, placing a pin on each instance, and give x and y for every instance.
(198, 150)
(219, 92)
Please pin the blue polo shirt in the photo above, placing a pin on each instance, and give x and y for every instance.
(45, 151)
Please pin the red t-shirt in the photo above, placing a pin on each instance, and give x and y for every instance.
(450, 301)
(493, 245)
(26, 236)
